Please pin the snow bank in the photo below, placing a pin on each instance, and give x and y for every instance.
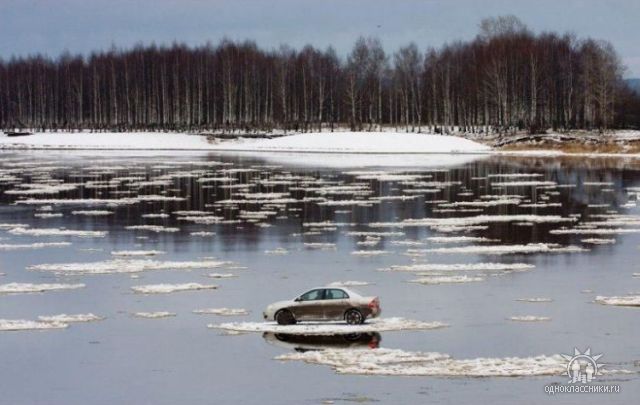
(338, 142)
(361, 142)
(57, 232)
(106, 140)
(330, 328)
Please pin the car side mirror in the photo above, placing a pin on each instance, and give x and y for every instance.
(297, 299)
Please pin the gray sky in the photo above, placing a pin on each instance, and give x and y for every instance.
(52, 26)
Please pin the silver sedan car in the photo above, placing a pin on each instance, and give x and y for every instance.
(324, 304)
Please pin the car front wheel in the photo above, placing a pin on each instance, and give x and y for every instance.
(353, 317)
(284, 317)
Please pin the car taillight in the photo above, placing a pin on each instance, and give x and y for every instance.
(374, 303)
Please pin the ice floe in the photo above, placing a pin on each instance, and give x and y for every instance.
(535, 299)
(37, 245)
(509, 249)
(125, 266)
(26, 288)
(529, 318)
(128, 253)
(57, 232)
(22, 324)
(624, 301)
(433, 280)
(330, 328)
(64, 318)
(154, 315)
(170, 288)
(463, 267)
(404, 363)
(222, 311)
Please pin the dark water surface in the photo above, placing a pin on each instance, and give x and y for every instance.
(125, 359)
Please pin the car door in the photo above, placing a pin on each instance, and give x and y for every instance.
(309, 306)
(336, 303)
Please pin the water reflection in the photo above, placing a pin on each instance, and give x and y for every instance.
(304, 343)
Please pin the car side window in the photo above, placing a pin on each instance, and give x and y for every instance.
(312, 295)
(335, 294)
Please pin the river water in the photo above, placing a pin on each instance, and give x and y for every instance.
(281, 226)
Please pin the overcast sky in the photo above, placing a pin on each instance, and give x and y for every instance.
(52, 26)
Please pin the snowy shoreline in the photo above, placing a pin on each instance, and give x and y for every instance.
(323, 143)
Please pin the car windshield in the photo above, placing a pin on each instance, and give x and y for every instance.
(312, 295)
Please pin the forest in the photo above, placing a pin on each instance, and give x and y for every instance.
(506, 79)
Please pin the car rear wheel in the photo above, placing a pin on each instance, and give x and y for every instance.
(354, 317)
(284, 317)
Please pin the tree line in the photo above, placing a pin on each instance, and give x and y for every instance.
(505, 79)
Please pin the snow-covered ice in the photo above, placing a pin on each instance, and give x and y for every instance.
(22, 324)
(221, 311)
(27, 288)
(404, 363)
(330, 328)
(64, 318)
(170, 288)
(624, 301)
(154, 315)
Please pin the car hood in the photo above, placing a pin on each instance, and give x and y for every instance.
(280, 304)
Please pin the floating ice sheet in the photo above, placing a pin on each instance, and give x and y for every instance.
(26, 288)
(37, 245)
(22, 324)
(464, 267)
(529, 318)
(153, 315)
(330, 328)
(64, 318)
(404, 363)
(125, 266)
(171, 288)
(624, 301)
(57, 232)
(222, 311)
